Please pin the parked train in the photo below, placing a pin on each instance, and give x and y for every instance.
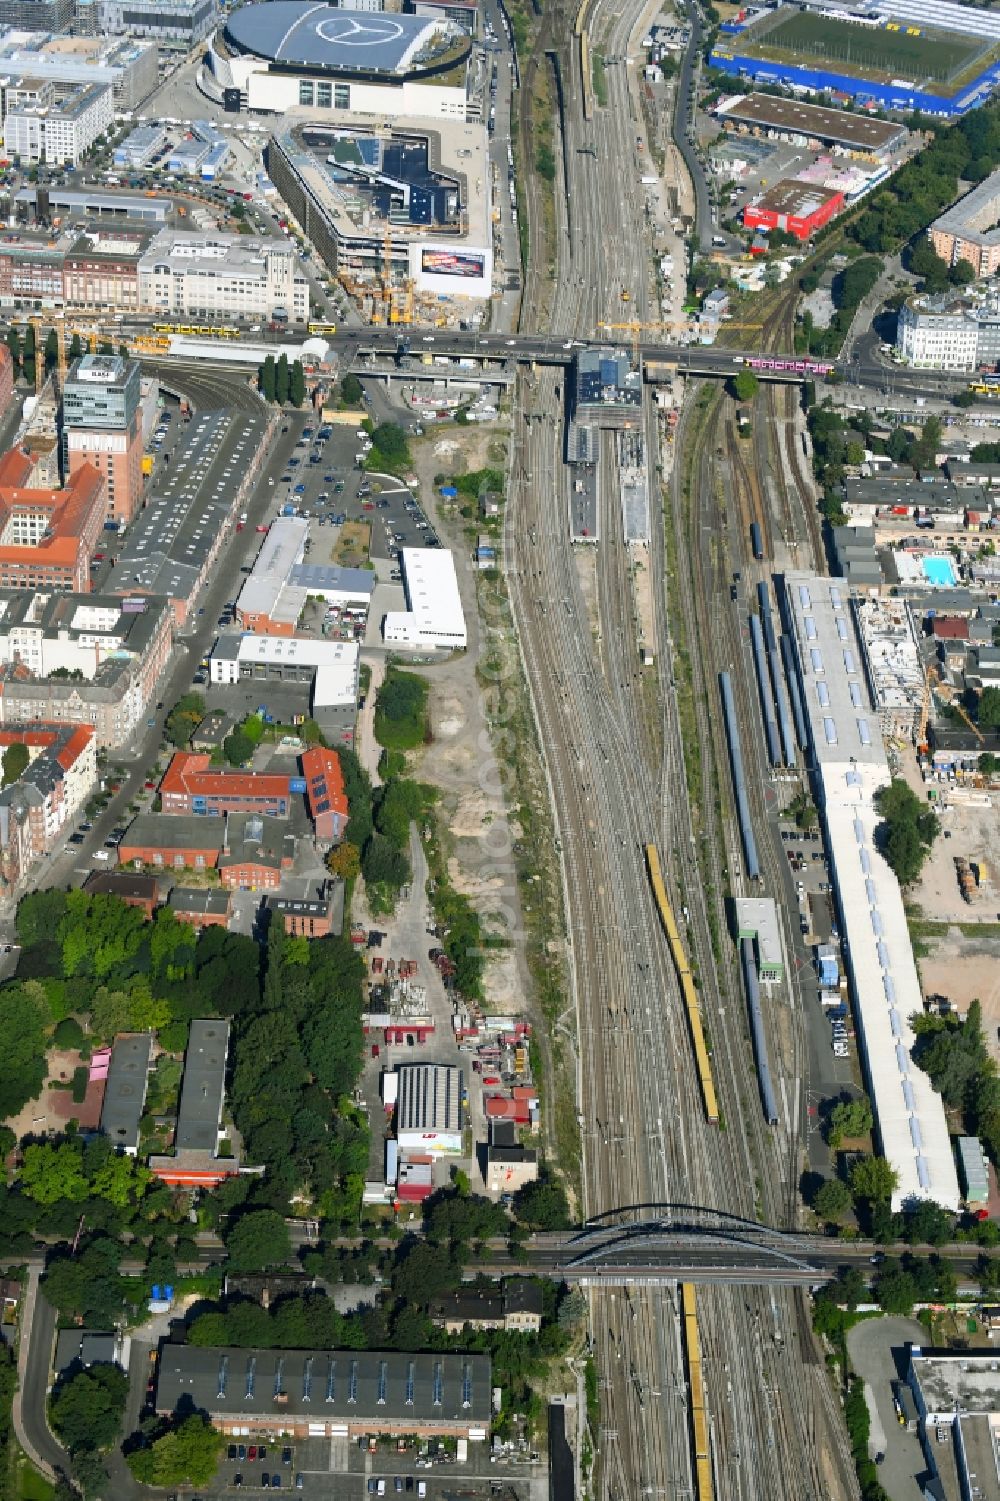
(704, 1488)
(690, 994)
(750, 854)
(792, 367)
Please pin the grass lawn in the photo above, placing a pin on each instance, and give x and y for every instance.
(31, 1486)
(807, 37)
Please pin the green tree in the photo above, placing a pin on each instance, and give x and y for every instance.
(954, 1055)
(925, 262)
(873, 1179)
(52, 1173)
(86, 1410)
(988, 713)
(401, 710)
(185, 1453)
(745, 385)
(99, 934)
(75, 347)
(297, 384)
(257, 1240)
(908, 830)
(894, 1289)
(383, 864)
(924, 452)
(543, 1204)
(351, 390)
(51, 349)
(184, 718)
(344, 861)
(929, 1224)
(849, 1118)
(14, 345)
(281, 380)
(39, 915)
(15, 762)
(962, 273)
(832, 1200)
(238, 748)
(266, 378)
(425, 1271)
(87, 1287)
(23, 1017)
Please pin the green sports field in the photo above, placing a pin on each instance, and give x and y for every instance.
(806, 38)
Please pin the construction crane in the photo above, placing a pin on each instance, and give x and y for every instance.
(402, 313)
(931, 677)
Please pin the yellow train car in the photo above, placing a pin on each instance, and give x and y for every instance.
(700, 1440)
(588, 87)
(689, 991)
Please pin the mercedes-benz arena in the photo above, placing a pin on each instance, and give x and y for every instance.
(290, 54)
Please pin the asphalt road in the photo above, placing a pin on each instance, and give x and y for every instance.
(683, 132)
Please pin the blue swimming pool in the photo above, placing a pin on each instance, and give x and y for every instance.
(940, 571)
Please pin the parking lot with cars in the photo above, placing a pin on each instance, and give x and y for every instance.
(352, 1468)
(324, 482)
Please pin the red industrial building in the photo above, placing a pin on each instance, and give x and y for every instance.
(325, 792)
(192, 785)
(798, 208)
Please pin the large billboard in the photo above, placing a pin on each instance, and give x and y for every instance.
(465, 263)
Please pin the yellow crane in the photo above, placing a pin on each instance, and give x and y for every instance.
(401, 307)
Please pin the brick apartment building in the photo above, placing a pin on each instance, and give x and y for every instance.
(128, 886)
(192, 785)
(249, 850)
(200, 906)
(47, 537)
(36, 807)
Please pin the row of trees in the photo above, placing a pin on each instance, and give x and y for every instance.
(967, 151)
(849, 289)
(908, 829)
(281, 381)
(954, 1055)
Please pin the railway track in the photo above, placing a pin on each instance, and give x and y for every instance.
(615, 761)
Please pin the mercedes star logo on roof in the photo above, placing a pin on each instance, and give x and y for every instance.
(349, 31)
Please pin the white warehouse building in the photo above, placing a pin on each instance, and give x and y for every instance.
(433, 616)
(849, 766)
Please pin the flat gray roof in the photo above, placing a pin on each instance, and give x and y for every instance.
(203, 1087)
(175, 831)
(976, 217)
(352, 1385)
(166, 547)
(125, 1094)
(959, 1383)
(199, 899)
